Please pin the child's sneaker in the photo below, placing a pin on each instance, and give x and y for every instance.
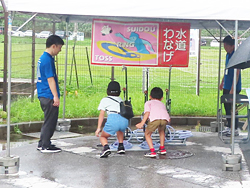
(151, 154)
(121, 150)
(162, 151)
(105, 153)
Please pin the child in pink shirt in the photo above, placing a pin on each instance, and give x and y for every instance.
(155, 111)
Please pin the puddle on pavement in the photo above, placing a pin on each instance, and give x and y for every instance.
(16, 140)
(83, 129)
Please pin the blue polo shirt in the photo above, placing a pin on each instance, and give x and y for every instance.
(229, 76)
(46, 69)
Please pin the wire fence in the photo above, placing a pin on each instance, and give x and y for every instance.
(82, 75)
(182, 80)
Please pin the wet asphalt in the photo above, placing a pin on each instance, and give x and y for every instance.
(196, 163)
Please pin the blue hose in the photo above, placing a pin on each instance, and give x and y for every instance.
(184, 134)
(171, 133)
(138, 133)
(130, 134)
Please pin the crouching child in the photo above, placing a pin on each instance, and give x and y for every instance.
(115, 124)
(156, 114)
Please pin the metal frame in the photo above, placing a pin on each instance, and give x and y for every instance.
(240, 99)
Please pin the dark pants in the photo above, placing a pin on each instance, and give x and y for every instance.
(50, 121)
(228, 108)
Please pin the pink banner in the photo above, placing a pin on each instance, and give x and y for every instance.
(122, 43)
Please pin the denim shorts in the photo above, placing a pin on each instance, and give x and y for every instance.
(114, 123)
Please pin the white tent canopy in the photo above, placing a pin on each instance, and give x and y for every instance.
(210, 14)
(196, 12)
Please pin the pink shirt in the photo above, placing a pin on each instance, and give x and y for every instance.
(157, 110)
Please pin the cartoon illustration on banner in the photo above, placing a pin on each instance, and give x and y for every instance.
(139, 44)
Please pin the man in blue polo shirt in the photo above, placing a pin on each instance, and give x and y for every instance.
(227, 84)
(48, 92)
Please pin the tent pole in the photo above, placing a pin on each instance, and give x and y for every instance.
(9, 164)
(209, 32)
(244, 33)
(9, 83)
(234, 86)
(65, 73)
(224, 28)
(33, 16)
(4, 97)
(218, 92)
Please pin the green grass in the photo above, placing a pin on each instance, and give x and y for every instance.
(22, 54)
(184, 101)
(85, 105)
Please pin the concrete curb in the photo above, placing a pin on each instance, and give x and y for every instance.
(28, 127)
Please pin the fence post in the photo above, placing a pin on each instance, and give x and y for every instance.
(112, 73)
(198, 66)
(33, 61)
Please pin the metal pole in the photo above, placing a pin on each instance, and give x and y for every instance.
(5, 57)
(147, 83)
(198, 67)
(33, 61)
(218, 92)
(168, 106)
(54, 27)
(169, 80)
(126, 81)
(112, 73)
(73, 59)
(76, 70)
(143, 79)
(9, 83)
(234, 86)
(65, 73)
(224, 28)
(26, 21)
(90, 74)
(244, 32)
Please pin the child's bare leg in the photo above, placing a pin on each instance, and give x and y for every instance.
(104, 141)
(162, 137)
(120, 136)
(104, 138)
(148, 138)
